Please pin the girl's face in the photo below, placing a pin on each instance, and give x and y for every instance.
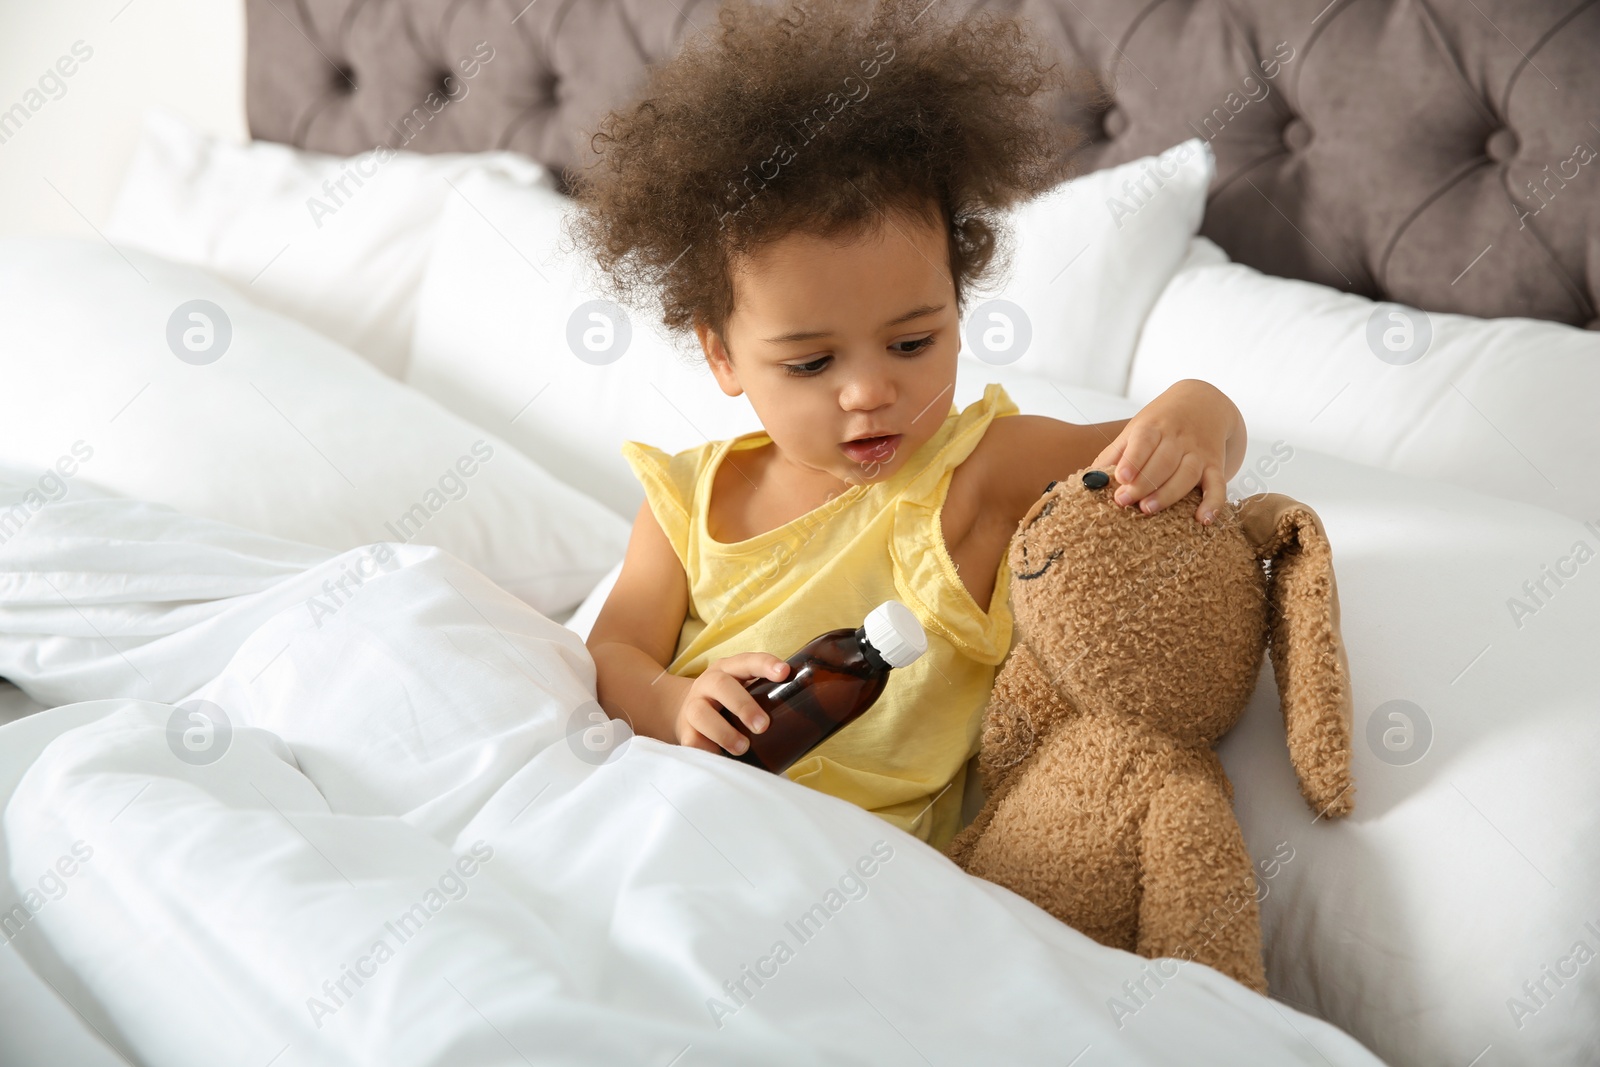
(837, 341)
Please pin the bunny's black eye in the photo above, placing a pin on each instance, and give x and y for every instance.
(1049, 487)
(1096, 479)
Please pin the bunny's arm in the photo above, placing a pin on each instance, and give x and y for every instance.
(1023, 705)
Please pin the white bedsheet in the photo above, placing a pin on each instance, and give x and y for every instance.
(606, 903)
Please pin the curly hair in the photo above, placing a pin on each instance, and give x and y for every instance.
(819, 116)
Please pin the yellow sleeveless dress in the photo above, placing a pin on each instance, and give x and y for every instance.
(904, 759)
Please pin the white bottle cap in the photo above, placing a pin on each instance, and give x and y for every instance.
(895, 633)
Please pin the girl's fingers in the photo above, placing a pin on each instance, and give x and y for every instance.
(705, 718)
(731, 694)
(748, 665)
(1214, 494)
(1155, 471)
(1143, 443)
(692, 738)
(1176, 487)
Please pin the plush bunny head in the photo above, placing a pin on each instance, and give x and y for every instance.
(1160, 617)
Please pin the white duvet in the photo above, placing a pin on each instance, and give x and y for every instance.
(408, 843)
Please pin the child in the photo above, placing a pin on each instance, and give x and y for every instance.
(813, 196)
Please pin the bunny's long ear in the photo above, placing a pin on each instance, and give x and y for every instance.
(1308, 655)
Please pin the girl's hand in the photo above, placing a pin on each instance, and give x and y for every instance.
(1190, 435)
(699, 722)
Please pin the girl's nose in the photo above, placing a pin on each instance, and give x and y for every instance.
(866, 394)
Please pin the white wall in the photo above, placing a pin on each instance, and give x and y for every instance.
(186, 54)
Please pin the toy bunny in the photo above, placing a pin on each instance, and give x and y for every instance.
(1139, 641)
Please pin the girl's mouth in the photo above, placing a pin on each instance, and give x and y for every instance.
(872, 449)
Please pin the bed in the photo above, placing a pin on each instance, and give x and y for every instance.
(301, 530)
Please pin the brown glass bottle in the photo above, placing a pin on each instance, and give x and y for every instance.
(835, 678)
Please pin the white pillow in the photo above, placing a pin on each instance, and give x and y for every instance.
(276, 221)
(1506, 406)
(502, 313)
(1091, 256)
(1470, 863)
(274, 428)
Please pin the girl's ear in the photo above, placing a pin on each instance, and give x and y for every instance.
(1308, 655)
(717, 358)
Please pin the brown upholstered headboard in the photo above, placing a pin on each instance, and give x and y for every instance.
(1438, 153)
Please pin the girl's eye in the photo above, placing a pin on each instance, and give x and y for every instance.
(806, 370)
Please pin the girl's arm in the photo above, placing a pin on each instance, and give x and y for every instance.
(1190, 435)
(637, 631)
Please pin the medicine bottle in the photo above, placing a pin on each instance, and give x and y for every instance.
(831, 681)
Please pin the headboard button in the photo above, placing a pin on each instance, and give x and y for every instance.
(1501, 145)
(1296, 135)
(1114, 122)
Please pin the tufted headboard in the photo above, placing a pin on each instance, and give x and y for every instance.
(1443, 154)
